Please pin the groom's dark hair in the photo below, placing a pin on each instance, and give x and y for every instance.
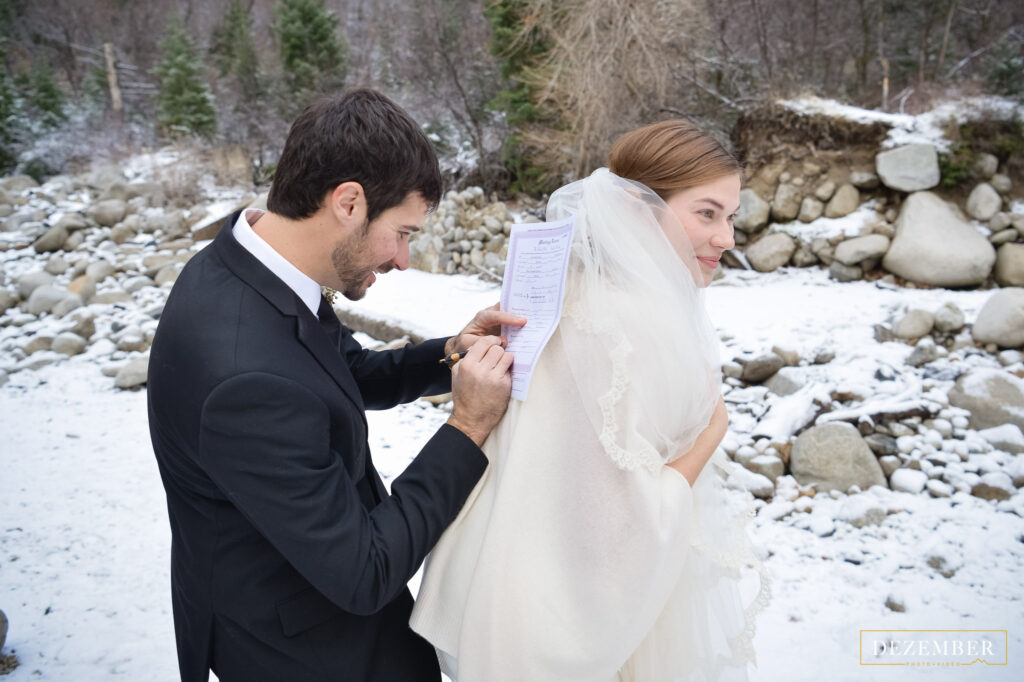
(359, 136)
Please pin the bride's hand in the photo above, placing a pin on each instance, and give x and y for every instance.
(692, 463)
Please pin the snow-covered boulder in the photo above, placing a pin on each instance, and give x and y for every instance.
(908, 480)
(861, 510)
(743, 479)
(1005, 437)
(993, 397)
(1001, 319)
(834, 457)
(933, 245)
(756, 370)
(910, 168)
(984, 202)
(949, 318)
(134, 374)
(994, 486)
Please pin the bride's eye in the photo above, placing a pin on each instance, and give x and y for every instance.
(707, 213)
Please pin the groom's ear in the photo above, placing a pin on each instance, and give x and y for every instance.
(347, 202)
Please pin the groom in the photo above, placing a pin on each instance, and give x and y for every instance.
(289, 560)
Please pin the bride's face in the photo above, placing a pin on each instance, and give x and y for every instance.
(706, 213)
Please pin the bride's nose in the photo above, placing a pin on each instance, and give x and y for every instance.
(723, 236)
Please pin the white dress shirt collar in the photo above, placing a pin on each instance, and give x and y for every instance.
(299, 282)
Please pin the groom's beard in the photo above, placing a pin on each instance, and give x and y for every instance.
(350, 266)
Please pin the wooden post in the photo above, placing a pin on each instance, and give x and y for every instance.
(115, 89)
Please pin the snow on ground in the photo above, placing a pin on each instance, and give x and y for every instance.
(907, 129)
(84, 537)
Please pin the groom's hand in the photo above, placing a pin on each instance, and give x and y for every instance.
(487, 322)
(481, 386)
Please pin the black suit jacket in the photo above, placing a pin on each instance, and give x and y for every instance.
(289, 560)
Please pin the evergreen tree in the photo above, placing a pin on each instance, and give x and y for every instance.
(9, 124)
(184, 100)
(45, 98)
(312, 54)
(234, 53)
(519, 50)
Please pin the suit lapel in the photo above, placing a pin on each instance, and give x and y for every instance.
(308, 330)
(316, 341)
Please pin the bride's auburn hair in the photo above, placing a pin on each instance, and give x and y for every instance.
(670, 156)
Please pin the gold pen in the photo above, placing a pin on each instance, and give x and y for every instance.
(452, 358)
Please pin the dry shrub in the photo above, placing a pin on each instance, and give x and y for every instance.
(611, 67)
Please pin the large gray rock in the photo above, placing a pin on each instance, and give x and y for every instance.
(993, 397)
(18, 183)
(1009, 270)
(7, 301)
(771, 251)
(100, 270)
(31, 281)
(103, 176)
(1001, 319)
(72, 222)
(834, 457)
(914, 325)
(84, 286)
(67, 304)
(844, 202)
(53, 240)
(108, 212)
(786, 204)
(864, 179)
(134, 374)
(994, 486)
(760, 368)
(45, 298)
(985, 165)
(1001, 183)
(910, 168)
(810, 210)
(68, 343)
(845, 273)
(56, 265)
(859, 249)
(753, 213)
(984, 202)
(933, 245)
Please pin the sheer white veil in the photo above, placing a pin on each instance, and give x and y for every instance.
(634, 304)
(579, 556)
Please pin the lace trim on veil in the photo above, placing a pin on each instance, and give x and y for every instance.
(732, 561)
(647, 458)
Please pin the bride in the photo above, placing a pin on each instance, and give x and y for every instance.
(598, 546)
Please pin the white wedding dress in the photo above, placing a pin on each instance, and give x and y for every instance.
(580, 556)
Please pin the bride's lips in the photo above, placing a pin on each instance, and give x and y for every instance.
(711, 263)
